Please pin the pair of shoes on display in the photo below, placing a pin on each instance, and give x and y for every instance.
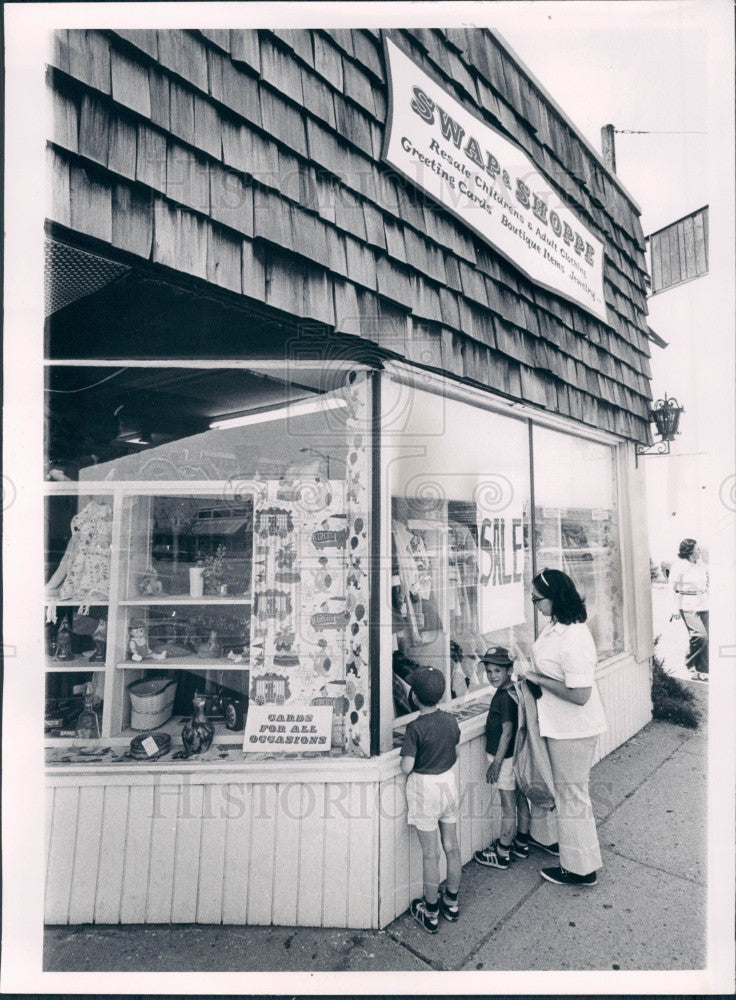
(493, 857)
(549, 848)
(560, 876)
(429, 921)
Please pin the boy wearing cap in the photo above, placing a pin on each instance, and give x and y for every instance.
(428, 755)
(501, 725)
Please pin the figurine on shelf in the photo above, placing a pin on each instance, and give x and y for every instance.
(210, 650)
(138, 643)
(150, 584)
(198, 732)
(238, 657)
(99, 638)
(64, 641)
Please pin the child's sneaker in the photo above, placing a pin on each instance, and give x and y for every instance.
(520, 848)
(429, 921)
(449, 908)
(549, 848)
(491, 857)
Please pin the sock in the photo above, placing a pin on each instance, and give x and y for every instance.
(503, 848)
(452, 896)
(522, 836)
(432, 908)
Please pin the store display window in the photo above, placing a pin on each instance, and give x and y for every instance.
(460, 530)
(577, 526)
(207, 546)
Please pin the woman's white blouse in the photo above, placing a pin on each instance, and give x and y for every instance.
(689, 583)
(567, 653)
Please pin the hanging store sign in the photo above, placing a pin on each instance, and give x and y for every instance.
(490, 184)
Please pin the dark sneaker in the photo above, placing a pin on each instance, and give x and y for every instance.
(562, 877)
(429, 921)
(520, 848)
(449, 908)
(549, 848)
(491, 857)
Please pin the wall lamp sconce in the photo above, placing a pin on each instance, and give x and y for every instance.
(665, 415)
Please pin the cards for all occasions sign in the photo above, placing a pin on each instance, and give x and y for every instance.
(488, 182)
(292, 730)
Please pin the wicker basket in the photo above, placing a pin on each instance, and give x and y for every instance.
(151, 702)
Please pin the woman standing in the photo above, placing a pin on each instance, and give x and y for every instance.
(571, 718)
(688, 581)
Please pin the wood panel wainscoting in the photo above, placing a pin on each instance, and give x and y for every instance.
(303, 843)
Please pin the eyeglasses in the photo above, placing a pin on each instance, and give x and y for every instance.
(536, 600)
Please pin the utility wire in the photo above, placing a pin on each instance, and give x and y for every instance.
(631, 131)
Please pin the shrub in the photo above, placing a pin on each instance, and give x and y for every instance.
(671, 700)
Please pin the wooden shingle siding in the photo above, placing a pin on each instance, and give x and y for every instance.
(130, 83)
(123, 147)
(89, 58)
(150, 164)
(328, 61)
(94, 134)
(90, 203)
(680, 251)
(132, 220)
(233, 87)
(58, 184)
(65, 125)
(185, 55)
(262, 148)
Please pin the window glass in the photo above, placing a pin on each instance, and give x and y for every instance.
(576, 526)
(459, 482)
(226, 555)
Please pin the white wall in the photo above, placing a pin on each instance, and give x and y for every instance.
(679, 493)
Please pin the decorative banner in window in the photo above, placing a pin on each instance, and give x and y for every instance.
(490, 184)
(292, 730)
(501, 554)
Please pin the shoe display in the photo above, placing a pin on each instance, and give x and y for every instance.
(449, 908)
(549, 848)
(429, 921)
(560, 876)
(491, 857)
(520, 848)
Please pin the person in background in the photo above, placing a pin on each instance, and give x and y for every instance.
(428, 755)
(501, 725)
(688, 582)
(571, 719)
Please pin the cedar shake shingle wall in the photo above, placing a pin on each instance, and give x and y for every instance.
(251, 160)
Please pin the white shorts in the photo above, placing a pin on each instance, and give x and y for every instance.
(506, 780)
(431, 798)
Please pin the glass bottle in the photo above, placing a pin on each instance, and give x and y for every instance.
(87, 729)
(198, 732)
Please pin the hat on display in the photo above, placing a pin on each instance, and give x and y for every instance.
(428, 684)
(498, 656)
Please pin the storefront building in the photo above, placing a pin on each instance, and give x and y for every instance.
(346, 340)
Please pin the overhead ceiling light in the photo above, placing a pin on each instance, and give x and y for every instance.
(299, 409)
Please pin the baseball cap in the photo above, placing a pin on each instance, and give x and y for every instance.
(499, 656)
(428, 684)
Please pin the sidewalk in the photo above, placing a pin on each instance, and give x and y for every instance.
(646, 913)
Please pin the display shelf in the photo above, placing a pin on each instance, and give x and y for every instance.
(173, 728)
(185, 663)
(185, 601)
(75, 602)
(79, 663)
